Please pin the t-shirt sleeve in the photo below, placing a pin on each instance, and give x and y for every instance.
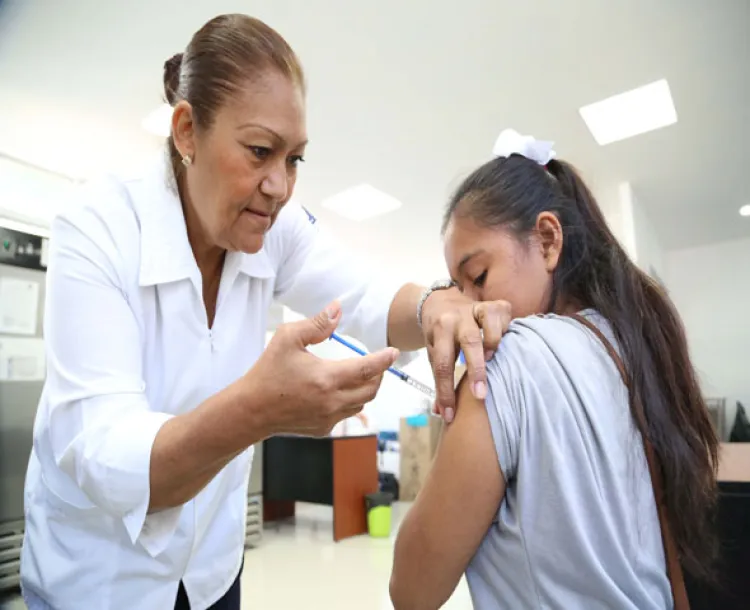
(511, 389)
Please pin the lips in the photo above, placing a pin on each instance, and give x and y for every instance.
(260, 213)
(259, 219)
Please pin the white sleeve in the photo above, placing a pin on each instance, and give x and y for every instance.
(314, 271)
(99, 426)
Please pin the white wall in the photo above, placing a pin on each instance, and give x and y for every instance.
(30, 195)
(627, 217)
(711, 287)
(395, 399)
(649, 255)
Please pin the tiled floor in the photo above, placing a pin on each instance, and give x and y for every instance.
(299, 566)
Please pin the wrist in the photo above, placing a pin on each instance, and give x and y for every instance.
(254, 416)
(427, 295)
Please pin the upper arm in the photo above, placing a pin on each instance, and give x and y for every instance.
(480, 453)
(97, 425)
(92, 334)
(453, 511)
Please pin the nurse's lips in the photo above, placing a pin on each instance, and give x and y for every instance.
(262, 218)
(258, 213)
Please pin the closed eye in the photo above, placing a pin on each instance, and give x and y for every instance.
(480, 279)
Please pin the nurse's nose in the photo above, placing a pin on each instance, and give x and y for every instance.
(276, 183)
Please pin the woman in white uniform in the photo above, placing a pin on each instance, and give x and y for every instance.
(158, 291)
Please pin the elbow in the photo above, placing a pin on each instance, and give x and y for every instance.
(411, 596)
(408, 591)
(406, 587)
(425, 588)
(400, 595)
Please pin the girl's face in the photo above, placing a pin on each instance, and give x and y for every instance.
(491, 263)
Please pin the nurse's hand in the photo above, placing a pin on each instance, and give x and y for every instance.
(451, 322)
(309, 395)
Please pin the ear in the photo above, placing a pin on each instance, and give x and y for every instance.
(183, 128)
(550, 233)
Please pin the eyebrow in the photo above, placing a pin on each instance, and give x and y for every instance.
(467, 258)
(269, 130)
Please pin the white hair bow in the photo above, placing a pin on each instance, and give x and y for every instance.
(511, 142)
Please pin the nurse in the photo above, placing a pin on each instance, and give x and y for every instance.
(158, 383)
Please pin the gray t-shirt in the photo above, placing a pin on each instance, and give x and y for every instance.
(578, 526)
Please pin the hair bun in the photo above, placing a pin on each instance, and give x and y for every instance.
(172, 78)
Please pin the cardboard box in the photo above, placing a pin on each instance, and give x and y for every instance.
(734, 462)
(418, 439)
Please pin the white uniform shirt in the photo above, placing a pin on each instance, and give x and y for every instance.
(128, 348)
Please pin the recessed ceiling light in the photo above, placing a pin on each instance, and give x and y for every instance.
(745, 210)
(361, 202)
(159, 122)
(631, 113)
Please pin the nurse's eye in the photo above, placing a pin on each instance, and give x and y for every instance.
(295, 160)
(480, 279)
(261, 152)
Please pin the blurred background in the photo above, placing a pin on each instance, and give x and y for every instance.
(407, 98)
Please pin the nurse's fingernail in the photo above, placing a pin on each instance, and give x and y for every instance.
(449, 413)
(488, 354)
(480, 390)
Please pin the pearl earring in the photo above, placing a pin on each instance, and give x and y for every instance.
(187, 160)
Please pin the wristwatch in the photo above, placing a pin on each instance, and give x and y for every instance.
(439, 285)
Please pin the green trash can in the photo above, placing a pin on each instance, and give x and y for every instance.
(379, 506)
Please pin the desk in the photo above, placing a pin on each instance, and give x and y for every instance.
(335, 471)
(734, 463)
(733, 520)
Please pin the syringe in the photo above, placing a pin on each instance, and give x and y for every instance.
(418, 385)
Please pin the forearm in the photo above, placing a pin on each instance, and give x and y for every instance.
(191, 449)
(403, 331)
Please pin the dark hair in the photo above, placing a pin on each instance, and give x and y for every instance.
(595, 271)
(224, 55)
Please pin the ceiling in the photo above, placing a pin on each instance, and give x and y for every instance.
(409, 97)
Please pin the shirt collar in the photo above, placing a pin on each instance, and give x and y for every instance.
(166, 255)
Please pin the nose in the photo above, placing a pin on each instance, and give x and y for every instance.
(474, 293)
(276, 182)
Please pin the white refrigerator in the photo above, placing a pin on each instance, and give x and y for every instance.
(22, 372)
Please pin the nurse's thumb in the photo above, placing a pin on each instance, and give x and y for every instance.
(318, 329)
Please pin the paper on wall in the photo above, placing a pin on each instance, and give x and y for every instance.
(44, 259)
(22, 359)
(19, 303)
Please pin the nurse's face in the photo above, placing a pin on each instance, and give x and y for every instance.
(244, 165)
(491, 263)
